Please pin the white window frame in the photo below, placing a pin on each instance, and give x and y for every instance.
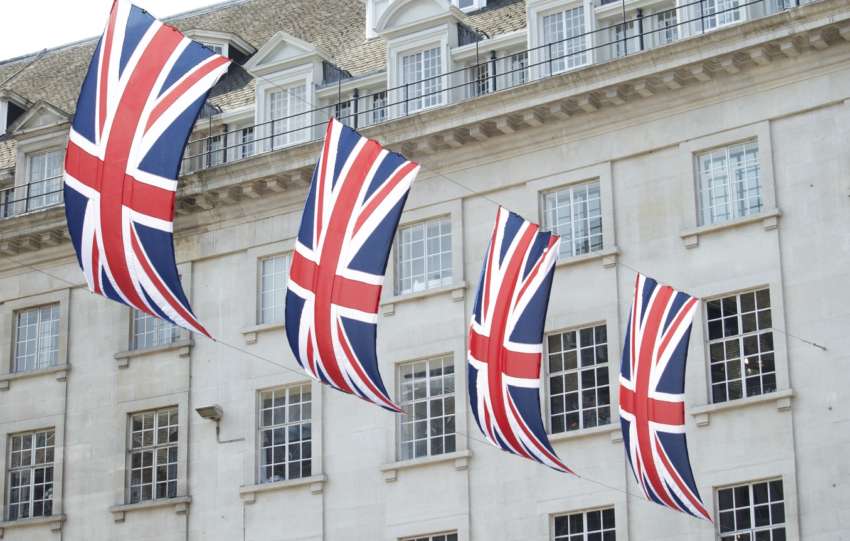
(663, 31)
(304, 420)
(48, 461)
(475, 5)
(411, 403)
(47, 195)
(443, 281)
(732, 207)
(568, 244)
(287, 262)
(605, 366)
(8, 315)
(560, 49)
(51, 337)
(155, 448)
(441, 536)
(164, 332)
(584, 514)
(291, 126)
(751, 506)
(423, 91)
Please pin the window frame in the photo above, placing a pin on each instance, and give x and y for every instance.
(160, 325)
(258, 318)
(546, 226)
(447, 359)
(445, 281)
(38, 338)
(260, 427)
(154, 448)
(9, 469)
(436, 536)
(786, 524)
(729, 184)
(430, 97)
(584, 512)
(8, 320)
(547, 374)
(295, 130)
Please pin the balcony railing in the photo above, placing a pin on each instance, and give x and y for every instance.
(624, 37)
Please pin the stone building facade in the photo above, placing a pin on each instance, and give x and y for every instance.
(703, 143)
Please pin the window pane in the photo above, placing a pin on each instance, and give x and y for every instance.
(285, 433)
(30, 474)
(729, 183)
(152, 456)
(37, 338)
(427, 398)
(575, 214)
(424, 256)
(274, 273)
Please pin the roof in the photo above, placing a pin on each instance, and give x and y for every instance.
(335, 26)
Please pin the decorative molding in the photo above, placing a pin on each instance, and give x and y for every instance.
(460, 459)
(250, 333)
(183, 347)
(612, 429)
(457, 291)
(702, 414)
(768, 218)
(607, 256)
(249, 493)
(59, 371)
(181, 507)
(54, 522)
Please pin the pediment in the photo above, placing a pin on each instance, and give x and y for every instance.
(281, 51)
(404, 14)
(40, 115)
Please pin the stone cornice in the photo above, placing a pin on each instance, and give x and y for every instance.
(284, 175)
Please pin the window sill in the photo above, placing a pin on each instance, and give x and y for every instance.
(316, 484)
(768, 218)
(60, 372)
(702, 414)
(460, 459)
(458, 291)
(250, 333)
(54, 522)
(182, 347)
(612, 429)
(607, 255)
(180, 504)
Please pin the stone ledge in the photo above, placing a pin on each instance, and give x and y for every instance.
(54, 522)
(608, 256)
(180, 504)
(768, 218)
(612, 429)
(60, 371)
(183, 347)
(702, 414)
(250, 333)
(460, 459)
(458, 292)
(315, 482)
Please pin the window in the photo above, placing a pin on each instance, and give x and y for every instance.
(518, 66)
(717, 13)
(470, 5)
(478, 80)
(30, 475)
(729, 185)
(563, 36)
(424, 256)
(667, 29)
(246, 148)
(575, 214)
(740, 345)
(149, 331)
(274, 272)
(378, 108)
(37, 338)
(217, 48)
(753, 512)
(596, 525)
(433, 537)
(44, 178)
(342, 112)
(578, 379)
(152, 455)
(421, 79)
(285, 110)
(624, 40)
(215, 150)
(428, 400)
(285, 433)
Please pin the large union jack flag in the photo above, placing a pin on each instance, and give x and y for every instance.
(350, 218)
(652, 395)
(145, 86)
(506, 338)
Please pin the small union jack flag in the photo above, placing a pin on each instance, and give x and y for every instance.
(652, 395)
(506, 338)
(350, 218)
(143, 91)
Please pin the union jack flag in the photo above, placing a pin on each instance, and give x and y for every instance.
(337, 273)
(506, 338)
(652, 395)
(145, 86)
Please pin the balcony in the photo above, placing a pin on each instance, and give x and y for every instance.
(32, 197)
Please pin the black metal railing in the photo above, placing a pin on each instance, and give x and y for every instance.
(490, 73)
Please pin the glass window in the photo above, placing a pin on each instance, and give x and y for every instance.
(274, 273)
(285, 113)
(518, 67)
(378, 106)
(575, 214)
(449, 536)
(478, 80)
(579, 396)
(428, 399)
(421, 78)
(595, 525)
(217, 48)
(152, 455)
(729, 184)
(37, 338)
(149, 331)
(246, 140)
(215, 150)
(343, 112)
(30, 475)
(564, 40)
(752, 512)
(740, 345)
(717, 13)
(285, 433)
(667, 30)
(44, 178)
(424, 256)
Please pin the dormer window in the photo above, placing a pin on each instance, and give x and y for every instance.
(44, 178)
(470, 5)
(421, 78)
(9, 113)
(217, 48)
(223, 43)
